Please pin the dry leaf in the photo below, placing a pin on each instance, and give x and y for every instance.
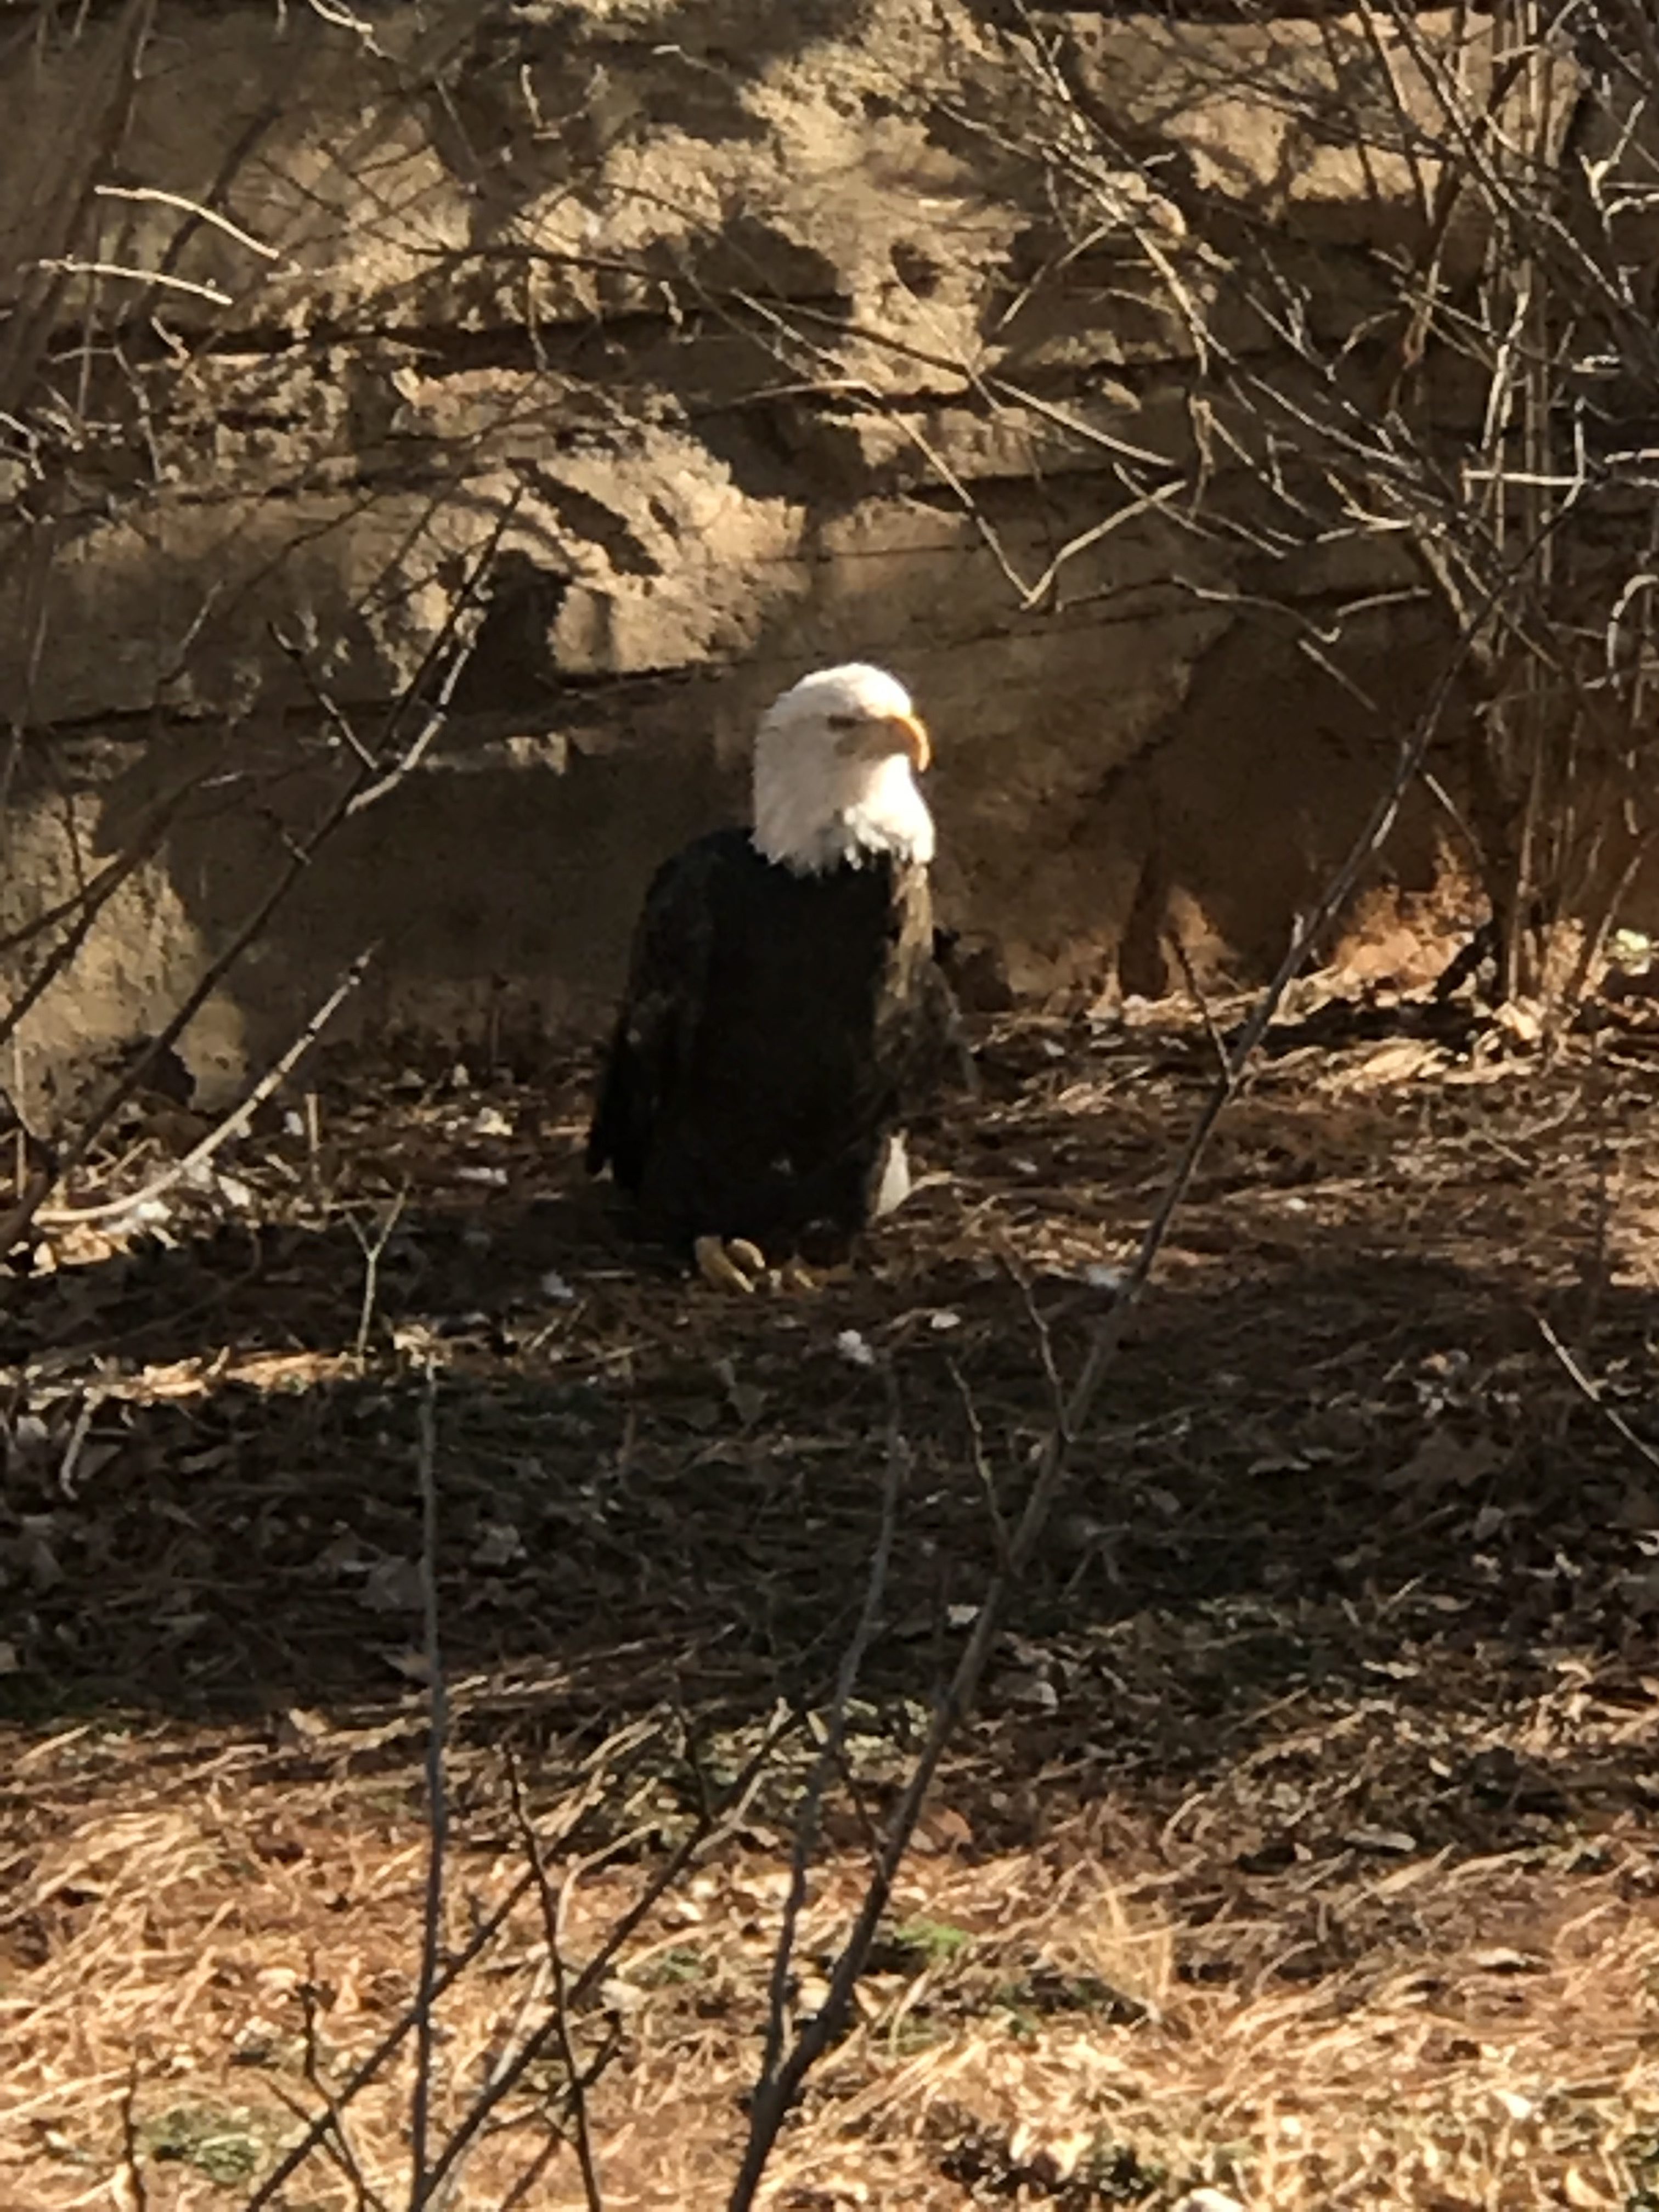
(499, 1545)
(1443, 1461)
(1580, 2190)
(394, 1586)
(298, 1726)
(748, 1402)
(1402, 1061)
(1498, 1958)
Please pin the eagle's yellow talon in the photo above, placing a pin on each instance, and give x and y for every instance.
(796, 1275)
(724, 1266)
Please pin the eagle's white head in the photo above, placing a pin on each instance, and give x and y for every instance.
(835, 773)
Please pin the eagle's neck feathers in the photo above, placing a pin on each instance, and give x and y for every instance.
(812, 823)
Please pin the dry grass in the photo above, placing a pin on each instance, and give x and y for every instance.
(1302, 1846)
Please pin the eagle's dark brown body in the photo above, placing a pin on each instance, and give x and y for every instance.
(777, 1027)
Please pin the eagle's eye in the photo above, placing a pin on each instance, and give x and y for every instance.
(841, 723)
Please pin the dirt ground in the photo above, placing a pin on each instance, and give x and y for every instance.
(1301, 1850)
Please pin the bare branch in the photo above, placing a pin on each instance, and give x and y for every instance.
(370, 2067)
(766, 2111)
(152, 195)
(233, 1125)
(552, 1930)
(374, 1251)
(70, 266)
(368, 784)
(86, 905)
(437, 1802)
(733, 1811)
(136, 2195)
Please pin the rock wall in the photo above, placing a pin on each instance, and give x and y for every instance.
(755, 316)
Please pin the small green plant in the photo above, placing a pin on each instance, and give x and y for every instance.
(224, 2145)
(933, 1942)
(1641, 2156)
(671, 1968)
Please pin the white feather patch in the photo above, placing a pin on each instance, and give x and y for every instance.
(894, 1186)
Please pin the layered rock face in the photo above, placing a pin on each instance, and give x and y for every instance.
(745, 335)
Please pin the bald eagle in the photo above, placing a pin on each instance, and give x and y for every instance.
(783, 1008)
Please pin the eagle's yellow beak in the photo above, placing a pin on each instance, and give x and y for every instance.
(878, 737)
(914, 733)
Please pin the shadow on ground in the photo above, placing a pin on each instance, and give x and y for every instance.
(1335, 1458)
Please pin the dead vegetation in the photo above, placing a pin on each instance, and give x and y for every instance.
(1299, 1848)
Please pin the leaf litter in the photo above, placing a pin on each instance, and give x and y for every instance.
(1300, 1854)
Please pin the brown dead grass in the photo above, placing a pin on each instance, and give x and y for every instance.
(1301, 1848)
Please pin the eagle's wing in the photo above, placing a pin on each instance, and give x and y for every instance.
(661, 1012)
(947, 1056)
(927, 1049)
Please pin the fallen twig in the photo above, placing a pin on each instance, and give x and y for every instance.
(1592, 1390)
(374, 1251)
(233, 1123)
(136, 2194)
